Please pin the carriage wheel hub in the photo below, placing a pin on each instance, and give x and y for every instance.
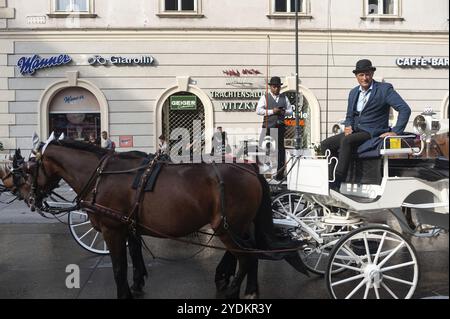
(373, 273)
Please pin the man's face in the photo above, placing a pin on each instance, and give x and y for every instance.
(365, 79)
(105, 136)
(275, 89)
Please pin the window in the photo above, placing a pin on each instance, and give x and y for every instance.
(388, 8)
(63, 8)
(72, 5)
(180, 8)
(286, 8)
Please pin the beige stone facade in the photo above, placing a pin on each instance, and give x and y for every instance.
(203, 52)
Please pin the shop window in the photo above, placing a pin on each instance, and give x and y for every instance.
(286, 8)
(382, 8)
(76, 113)
(180, 8)
(61, 8)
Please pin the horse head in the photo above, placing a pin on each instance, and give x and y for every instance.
(32, 181)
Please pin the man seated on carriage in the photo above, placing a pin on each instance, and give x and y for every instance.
(367, 118)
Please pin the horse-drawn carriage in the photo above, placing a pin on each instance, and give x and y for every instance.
(355, 257)
(336, 241)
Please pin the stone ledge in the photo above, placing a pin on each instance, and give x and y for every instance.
(7, 13)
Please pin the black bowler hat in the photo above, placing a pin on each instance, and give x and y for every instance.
(363, 66)
(275, 80)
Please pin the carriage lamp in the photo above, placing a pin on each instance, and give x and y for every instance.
(426, 125)
(338, 128)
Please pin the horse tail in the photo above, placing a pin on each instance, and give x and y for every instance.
(265, 237)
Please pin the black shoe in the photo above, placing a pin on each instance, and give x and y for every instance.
(336, 186)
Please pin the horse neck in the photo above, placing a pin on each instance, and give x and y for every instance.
(74, 166)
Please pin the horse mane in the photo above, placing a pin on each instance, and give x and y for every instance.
(83, 146)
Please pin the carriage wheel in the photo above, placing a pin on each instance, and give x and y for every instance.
(287, 210)
(84, 233)
(380, 264)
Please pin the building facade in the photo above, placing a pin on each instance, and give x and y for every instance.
(140, 68)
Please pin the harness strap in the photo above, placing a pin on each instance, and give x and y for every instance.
(140, 190)
(222, 194)
(94, 175)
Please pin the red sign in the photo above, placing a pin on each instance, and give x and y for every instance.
(126, 141)
(291, 122)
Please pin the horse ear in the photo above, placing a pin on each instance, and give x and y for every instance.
(61, 137)
(49, 140)
(35, 141)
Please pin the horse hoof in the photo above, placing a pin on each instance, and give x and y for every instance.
(232, 293)
(137, 291)
(222, 284)
(251, 296)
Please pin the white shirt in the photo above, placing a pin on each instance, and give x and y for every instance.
(261, 108)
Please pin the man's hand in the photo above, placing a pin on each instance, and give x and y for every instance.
(278, 111)
(348, 130)
(388, 134)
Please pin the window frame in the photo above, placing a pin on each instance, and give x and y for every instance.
(305, 14)
(63, 14)
(196, 13)
(397, 15)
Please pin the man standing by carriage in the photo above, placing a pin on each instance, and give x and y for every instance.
(367, 118)
(274, 106)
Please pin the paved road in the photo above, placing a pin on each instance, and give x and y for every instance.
(34, 254)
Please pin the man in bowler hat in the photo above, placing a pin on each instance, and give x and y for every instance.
(274, 106)
(367, 117)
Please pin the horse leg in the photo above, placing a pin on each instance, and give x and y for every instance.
(252, 290)
(116, 241)
(235, 286)
(139, 269)
(224, 271)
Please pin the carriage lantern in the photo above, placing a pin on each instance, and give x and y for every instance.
(426, 125)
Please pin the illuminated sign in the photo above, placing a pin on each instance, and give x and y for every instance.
(29, 65)
(119, 60)
(422, 62)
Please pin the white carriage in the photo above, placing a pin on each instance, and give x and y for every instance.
(361, 260)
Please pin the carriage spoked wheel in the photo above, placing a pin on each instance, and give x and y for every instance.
(79, 224)
(380, 262)
(288, 209)
(85, 234)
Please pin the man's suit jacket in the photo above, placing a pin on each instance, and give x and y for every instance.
(374, 118)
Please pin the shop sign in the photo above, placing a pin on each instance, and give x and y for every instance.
(244, 103)
(29, 65)
(183, 103)
(126, 141)
(119, 60)
(241, 77)
(73, 99)
(422, 62)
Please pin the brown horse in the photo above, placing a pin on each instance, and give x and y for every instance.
(184, 199)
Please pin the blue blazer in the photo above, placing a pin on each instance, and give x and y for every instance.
(374, 118)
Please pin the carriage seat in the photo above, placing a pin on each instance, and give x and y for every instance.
(367, 164)
(429, 169)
